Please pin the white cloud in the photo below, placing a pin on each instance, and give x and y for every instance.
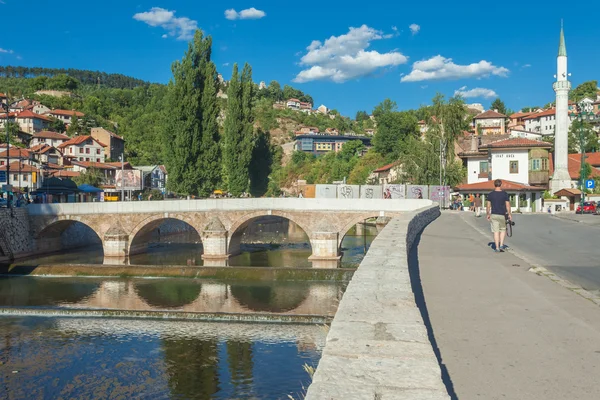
(344, 57)
(226, 64)
(183, 28)
(438, 67)
(6, 51)
(526, 66)
(395, 28)
(414, 28)
(249, 13)
(475, 92)
(165, 36)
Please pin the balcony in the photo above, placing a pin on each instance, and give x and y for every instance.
(539, 177)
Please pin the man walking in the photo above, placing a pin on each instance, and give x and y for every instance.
(498, 209)
(477, 205)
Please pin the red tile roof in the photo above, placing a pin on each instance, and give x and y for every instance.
(71, 113)
(516, 142)
(593, 159)
(551, 111)
(294, 100)
(42, 148)
(14, 167)
(14, 152)
(489, 186)
(489, 114)
(51, 135)
(126, 164)
(78, 140)
(65, 174)
(574, 165)
(30, 114)
(2, 95)
(520, 115)
(90, 164)
(385, 167)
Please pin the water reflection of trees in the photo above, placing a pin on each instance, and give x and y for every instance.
(241, 363)
(270, 298)
(167, 293)
(192, 367)
(28, 291)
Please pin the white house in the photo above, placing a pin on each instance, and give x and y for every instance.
(50, 138)
(293, 104)
(65, 116)
(490, 122)
(23, 175)
(83, 148)
(45, 154)
(323, 110)
(30, 122)
(544, 122)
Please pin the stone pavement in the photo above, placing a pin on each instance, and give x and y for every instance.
(504, 332)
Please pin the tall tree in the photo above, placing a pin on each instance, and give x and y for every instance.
(579, 131)
(190, 135)
(261, 165)
(393, 127)
(586, 89)
(238, 130)
(499, 105)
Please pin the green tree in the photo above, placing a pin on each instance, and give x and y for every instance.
(361, 116)
(499, 105)
(56, 125)
(586, 89)
(75, 127)
(261, 164)
(92, 176)
(13, 132)
(591, 142)
(274, 91)
(393, 127)
(38, 83)
(190, 137)
(62, 82)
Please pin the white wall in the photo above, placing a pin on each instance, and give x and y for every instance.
(501, 165)
(473, 170)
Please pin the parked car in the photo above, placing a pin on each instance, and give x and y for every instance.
(589, 207)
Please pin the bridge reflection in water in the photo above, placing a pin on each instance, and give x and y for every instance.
(186, 295)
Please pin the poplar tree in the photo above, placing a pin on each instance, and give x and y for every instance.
(190, 138)
(238, 130)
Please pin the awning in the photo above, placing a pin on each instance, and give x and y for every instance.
(85, 188)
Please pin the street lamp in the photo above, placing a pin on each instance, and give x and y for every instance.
(585, 113)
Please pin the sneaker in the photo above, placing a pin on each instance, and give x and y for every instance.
(498, 251)
(504, 247)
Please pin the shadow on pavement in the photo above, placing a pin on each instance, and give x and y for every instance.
(417, 288)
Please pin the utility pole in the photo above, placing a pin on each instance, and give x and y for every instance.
(122, 176)
(5, 106)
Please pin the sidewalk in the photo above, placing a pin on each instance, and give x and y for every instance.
(589, 219)
(504, 332)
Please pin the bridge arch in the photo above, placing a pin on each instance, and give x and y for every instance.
(144, 231)
(168, 293)
(239, 226)
(356, 220)
(274, 297)
(50, 237)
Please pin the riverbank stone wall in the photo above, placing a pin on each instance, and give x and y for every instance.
(378, 345)
(15, 239)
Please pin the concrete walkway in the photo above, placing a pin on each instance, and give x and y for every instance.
(504, 332)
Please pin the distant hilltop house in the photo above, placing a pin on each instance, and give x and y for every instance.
(65, 116)
(114, 144)
(31, 122)
(297, 105)
(387, 174)
(262, 85)
(320, 144)
(490, 122)
(323, 110)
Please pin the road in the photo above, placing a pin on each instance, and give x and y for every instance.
(565, 247)
(503, 332)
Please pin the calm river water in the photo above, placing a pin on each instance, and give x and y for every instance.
(75, 357)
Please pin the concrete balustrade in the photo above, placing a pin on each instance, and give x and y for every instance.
(378, 345)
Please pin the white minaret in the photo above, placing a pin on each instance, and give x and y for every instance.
(561, 178)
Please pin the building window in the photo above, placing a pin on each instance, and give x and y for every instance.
(514, 167)
(80, 158)
(97, 160)
(97, 151)
(70, 150)
(87, 150)
(15, 177)
(87, 159)
(544, 164)
(483, 167)
(25, 178)
(536, 164)
(81, 150)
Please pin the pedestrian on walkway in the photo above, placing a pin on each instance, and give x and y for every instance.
(498, 210)
(478, 205)
(471, 202)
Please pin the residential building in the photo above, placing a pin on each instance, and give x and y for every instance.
(306, 130)
(16, 154)
(423, 128)
(331, 131)
(50, 138)
(23, 176)
(323, 110)
(319, 144)
(30, 122)
(83, 148)
(518, 119)
(387, 174)
(65, 116)
(306, 107)
(544, 122)
(39, 108)
(115, 145)
(490, 122)
(262, 85)
(370, 131)
(154, 177)
(521, 133)
(522, 164)
(20, 105)
(3, 98)
(293, 104)
(46, 154)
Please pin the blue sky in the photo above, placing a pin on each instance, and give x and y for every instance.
(347, 55)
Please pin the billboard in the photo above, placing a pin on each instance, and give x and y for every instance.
(129, 179)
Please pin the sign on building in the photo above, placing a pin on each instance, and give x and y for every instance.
(589, 184)
(129, 179)
(439, 194)
(417, 191)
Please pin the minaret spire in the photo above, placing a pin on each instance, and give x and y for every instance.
(562, 48)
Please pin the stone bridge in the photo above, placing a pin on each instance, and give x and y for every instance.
(126, 228)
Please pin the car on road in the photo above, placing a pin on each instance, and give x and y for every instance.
(589, 207)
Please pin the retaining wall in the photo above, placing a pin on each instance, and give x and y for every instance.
(15, 239)
(378, 345)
